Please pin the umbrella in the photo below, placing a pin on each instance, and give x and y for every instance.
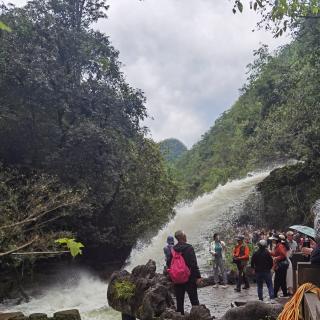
(310, 232)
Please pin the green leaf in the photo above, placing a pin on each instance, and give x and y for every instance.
(73, 246)
(4, 27)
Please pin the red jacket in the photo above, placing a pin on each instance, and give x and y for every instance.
(279, 253)
(244, 254)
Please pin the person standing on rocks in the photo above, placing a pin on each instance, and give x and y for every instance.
(195, 279)
(167, 250)
(218, 252)
(261, 263)
(241, 255)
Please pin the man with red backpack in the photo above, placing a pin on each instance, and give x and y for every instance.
(184, 271)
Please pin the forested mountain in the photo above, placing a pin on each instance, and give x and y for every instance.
(75, 160)
(276, 117)
(172, 149)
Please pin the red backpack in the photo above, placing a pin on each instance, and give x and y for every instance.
(178, 271)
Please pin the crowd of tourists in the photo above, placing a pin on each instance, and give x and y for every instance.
(270, 259)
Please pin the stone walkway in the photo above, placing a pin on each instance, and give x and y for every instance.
(219, 300)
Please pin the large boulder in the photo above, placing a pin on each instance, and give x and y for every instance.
(200, 312)
(143, 293)
(147, 295)
(12, 316)
(254, 310)
(72, 314)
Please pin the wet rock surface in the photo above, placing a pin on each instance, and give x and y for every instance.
(12, 316)
(254, 310)
(143, 293)
(218, 300)
(152, 297)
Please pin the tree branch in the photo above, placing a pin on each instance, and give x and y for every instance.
(9, 226)
(19, 248)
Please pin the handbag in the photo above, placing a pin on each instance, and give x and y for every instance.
(283, 264)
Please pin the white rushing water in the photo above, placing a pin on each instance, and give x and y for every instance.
(75, 289)
(199, 220)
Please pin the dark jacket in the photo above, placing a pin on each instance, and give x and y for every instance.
(261, 261)
(167, 254)
(315, 255)
(189, 257)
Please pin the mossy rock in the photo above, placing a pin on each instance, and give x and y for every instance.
(124, 289)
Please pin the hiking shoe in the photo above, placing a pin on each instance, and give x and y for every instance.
(224, 286)
(245, 287)
(237, 289)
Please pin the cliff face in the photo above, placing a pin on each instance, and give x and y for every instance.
(288, 194)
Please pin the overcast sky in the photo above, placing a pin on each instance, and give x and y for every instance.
(188, 56)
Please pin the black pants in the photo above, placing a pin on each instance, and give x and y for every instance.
(280, 281)
(127, 317)
(180, 290)
(242, 276)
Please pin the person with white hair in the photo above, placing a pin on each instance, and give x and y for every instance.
(261, 263)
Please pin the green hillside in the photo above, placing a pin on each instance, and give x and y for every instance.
(172, 149)
(275, 118)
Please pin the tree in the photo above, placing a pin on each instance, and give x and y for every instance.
(278, 15)
(66, 110)
(275, 119)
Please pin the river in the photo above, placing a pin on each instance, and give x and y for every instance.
(80, 289)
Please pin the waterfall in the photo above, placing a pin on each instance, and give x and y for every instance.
(199, 221)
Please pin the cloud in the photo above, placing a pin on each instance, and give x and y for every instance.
(189, 58)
